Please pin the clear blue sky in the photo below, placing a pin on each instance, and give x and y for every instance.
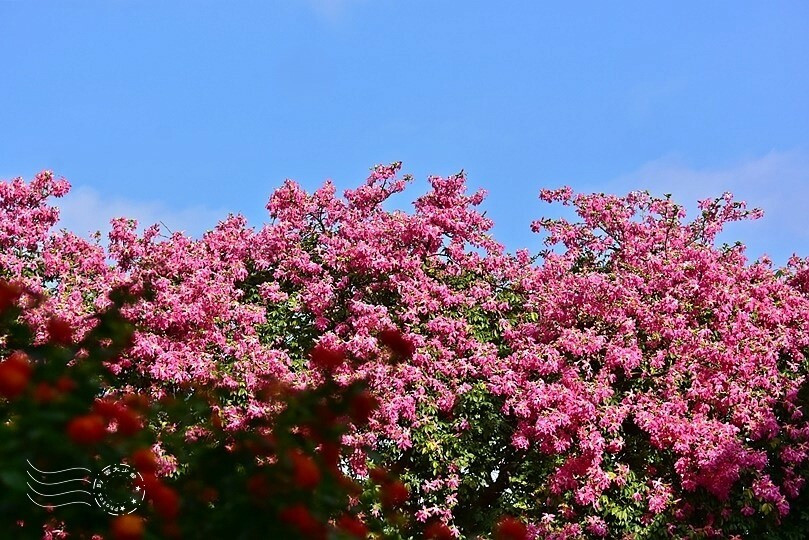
(184, 110)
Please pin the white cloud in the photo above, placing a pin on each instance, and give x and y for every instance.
(84, 211)
(777, 182)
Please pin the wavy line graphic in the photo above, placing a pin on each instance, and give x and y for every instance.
(57, 505)
(50, 496)
(57, 472)
(57, 483)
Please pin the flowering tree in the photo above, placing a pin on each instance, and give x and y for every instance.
(62, 407)
(632, 380)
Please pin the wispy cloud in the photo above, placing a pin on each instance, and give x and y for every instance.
(777, 182)
(331, 10)
(84, 211)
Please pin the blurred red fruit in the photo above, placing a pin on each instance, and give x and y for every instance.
(165, 500)
(12, 382)
(129, 422)
(330, 452)
(87, 429)
(271, 390)
(107, 408)
(510, 528)
(378, 475)
(327, 359)
(9, 294)
(144, 460)
(60, 331)
(401, 347)
(438, 531)
(136, 401)
(148, 481)
(65, 384)
(299, 517)
(353, 526)
(306, 474)
(15, 373)
(394, 494)
(361, 406)
(127, 527)
(44, 393)
(352, 488)
(20, 360)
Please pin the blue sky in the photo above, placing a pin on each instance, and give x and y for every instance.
(184, 110)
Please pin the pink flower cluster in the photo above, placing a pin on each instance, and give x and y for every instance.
(633, 324)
